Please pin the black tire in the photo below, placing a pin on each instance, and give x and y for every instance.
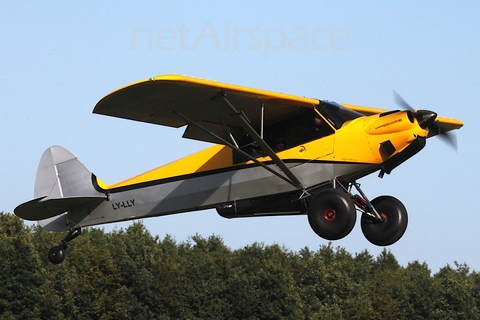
(56, 255)
(332, 214)
(390, 231)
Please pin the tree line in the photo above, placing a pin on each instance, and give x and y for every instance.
(131, 274)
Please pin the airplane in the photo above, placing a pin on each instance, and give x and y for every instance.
(272, 154)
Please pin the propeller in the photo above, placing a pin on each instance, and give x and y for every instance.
(426, 119)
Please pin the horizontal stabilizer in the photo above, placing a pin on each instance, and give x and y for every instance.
(43, 208)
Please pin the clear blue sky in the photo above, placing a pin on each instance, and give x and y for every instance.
(57, 59)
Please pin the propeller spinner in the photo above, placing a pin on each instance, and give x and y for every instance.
(426, 119)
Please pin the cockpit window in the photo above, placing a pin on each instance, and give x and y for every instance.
(336, 113)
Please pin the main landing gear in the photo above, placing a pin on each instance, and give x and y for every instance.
(332, 213)
(56, 255)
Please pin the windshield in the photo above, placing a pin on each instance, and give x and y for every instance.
(336, 113)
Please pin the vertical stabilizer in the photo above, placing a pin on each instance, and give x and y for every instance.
(63, 184)
(60, 174)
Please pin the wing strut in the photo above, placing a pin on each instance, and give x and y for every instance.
(243, 121)
(230, 134)
(243, 153)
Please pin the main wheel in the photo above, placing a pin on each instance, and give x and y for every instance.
(392, 229)
(332, 214)
(56, 255)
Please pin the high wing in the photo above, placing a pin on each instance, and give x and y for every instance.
(176, 101)
(446, 124)
(214, 111)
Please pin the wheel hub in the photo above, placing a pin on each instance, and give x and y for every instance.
(384, 217)
(330, 214)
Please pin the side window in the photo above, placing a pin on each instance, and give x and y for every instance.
(317, 127)
(304, 127)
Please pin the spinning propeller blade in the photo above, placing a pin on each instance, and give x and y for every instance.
(402, 103)
(426, 119)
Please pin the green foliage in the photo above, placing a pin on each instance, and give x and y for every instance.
(130, 274)
(20, 271)
(455, 289)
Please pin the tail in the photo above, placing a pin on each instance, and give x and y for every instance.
(62, 184)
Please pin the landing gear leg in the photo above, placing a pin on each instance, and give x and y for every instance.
(393, 226)
(56, 255)
(384, 219)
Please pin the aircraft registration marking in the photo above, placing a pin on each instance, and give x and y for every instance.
(123, 204)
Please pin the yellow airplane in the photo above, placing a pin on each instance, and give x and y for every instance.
(273, 154)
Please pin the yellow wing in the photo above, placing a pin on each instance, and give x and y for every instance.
(170, 100)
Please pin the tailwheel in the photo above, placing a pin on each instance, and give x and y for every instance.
(393, 226)
(332, 214)
(56, 254)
